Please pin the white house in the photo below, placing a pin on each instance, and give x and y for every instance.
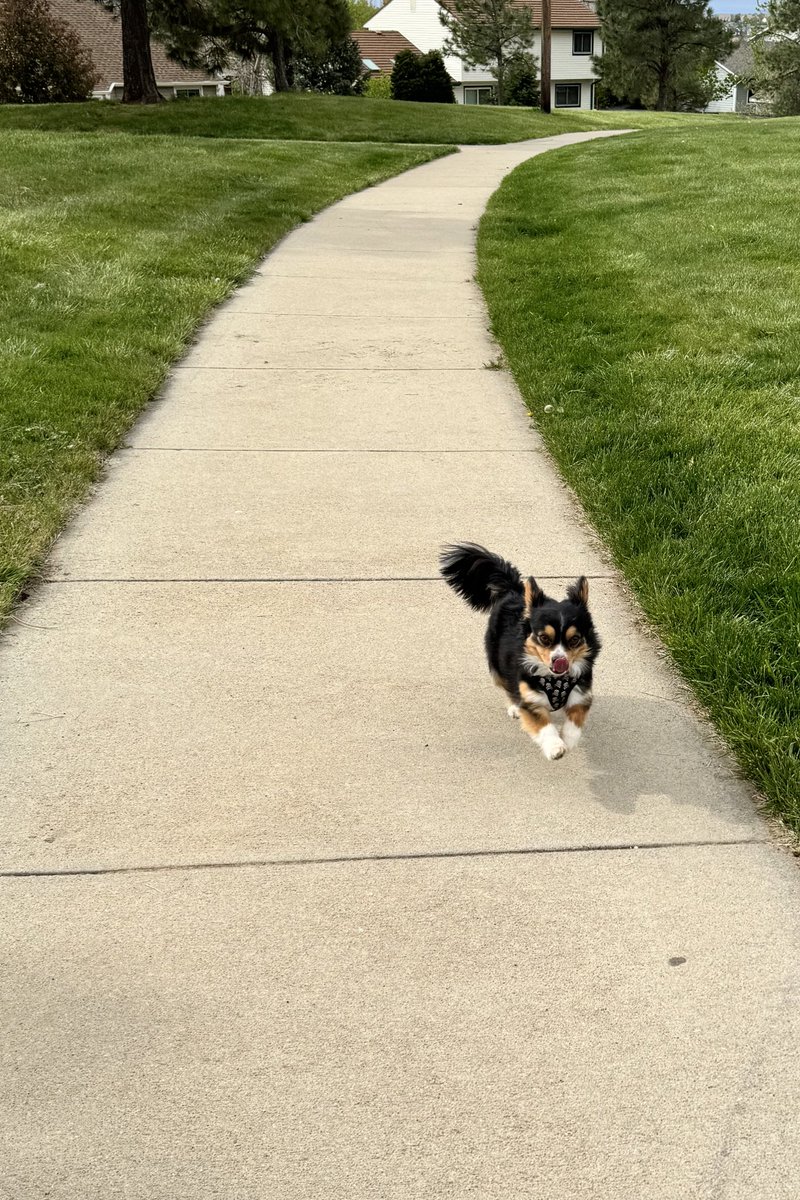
(575, 38)
(733, 75)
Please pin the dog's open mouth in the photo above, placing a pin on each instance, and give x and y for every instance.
(560, 664)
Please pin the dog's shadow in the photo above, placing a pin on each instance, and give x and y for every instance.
(637, 749)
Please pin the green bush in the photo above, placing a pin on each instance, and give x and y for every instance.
(378, 87)
(337, 71)
(522, 82)
(42, 60)
(421, 77)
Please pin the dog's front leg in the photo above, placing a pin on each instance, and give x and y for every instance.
(536, 722)
(577, 711)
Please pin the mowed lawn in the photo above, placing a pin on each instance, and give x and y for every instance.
(648, 289)
(330, 119)
(112, 249)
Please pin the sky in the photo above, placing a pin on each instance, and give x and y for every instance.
(721, 7)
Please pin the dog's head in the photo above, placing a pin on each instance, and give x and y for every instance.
(560, 636)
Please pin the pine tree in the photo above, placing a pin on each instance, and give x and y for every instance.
(206, 33)
(487, 33)
(337, 71)
(522, 81)
(660, 52)
(777, 55)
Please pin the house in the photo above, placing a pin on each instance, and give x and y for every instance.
(379, 47)
(735, 74)
(100, 33)
(575, 38)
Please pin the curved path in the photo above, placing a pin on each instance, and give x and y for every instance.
(290, 910)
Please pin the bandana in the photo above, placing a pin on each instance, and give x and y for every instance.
(557, 690)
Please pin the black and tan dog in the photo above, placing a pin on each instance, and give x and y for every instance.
(541, 651)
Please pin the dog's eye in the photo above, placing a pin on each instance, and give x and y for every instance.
(545, 640)
(575, 641)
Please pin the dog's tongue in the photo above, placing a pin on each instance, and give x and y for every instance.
(560, 664)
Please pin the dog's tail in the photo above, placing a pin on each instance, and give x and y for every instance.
(477, 575)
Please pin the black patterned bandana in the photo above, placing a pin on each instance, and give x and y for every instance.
(557, 690)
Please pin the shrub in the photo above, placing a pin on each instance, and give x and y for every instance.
(522, 82)
(42, 60)
(378, 87)
(421, 77)
(337, 72)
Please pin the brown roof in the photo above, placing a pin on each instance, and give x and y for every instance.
(381, 46)
(99, 30)
(564, 14)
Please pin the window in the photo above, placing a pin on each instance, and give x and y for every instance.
(568, 95)
(582, 41)
(478, 95)
(185, 93)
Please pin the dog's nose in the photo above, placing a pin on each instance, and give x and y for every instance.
(559, 664)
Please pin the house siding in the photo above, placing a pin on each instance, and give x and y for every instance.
(727, 103)
(418, 20)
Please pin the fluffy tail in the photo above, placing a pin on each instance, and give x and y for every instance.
(477, 575)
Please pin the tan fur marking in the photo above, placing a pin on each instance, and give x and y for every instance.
(579, 654)
(532, 704)
(578, 714)
(533, 721)
(571, 633)
(528, 593)
(536, 651)
(532, 593)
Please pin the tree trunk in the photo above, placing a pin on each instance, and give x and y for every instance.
(137, 65)
(663, 96)
(281, 56)
(545, 65)
(501, 79)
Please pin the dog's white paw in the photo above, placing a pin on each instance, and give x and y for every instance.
(550, 743)
(513, 711)
(571, 734)
(554, 750)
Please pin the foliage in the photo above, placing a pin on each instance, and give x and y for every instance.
(41, 59)
(206, 33)
(421, 77)
(777, 56)
(378, 87)
(338, 71)
(659, 52)
(487, 32)
(360, 12)
(522, 81)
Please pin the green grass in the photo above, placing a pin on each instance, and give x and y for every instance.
(648, 289)
(112, 249)
(328, 119)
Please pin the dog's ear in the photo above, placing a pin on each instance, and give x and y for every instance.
(533, 595)
(578, 592)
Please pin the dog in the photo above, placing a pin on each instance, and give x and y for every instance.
(541, 651)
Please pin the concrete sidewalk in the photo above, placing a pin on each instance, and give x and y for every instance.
(287, 915)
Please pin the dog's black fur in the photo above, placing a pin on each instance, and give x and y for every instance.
(527, 631)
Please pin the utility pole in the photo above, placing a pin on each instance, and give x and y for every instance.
(545, 68)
